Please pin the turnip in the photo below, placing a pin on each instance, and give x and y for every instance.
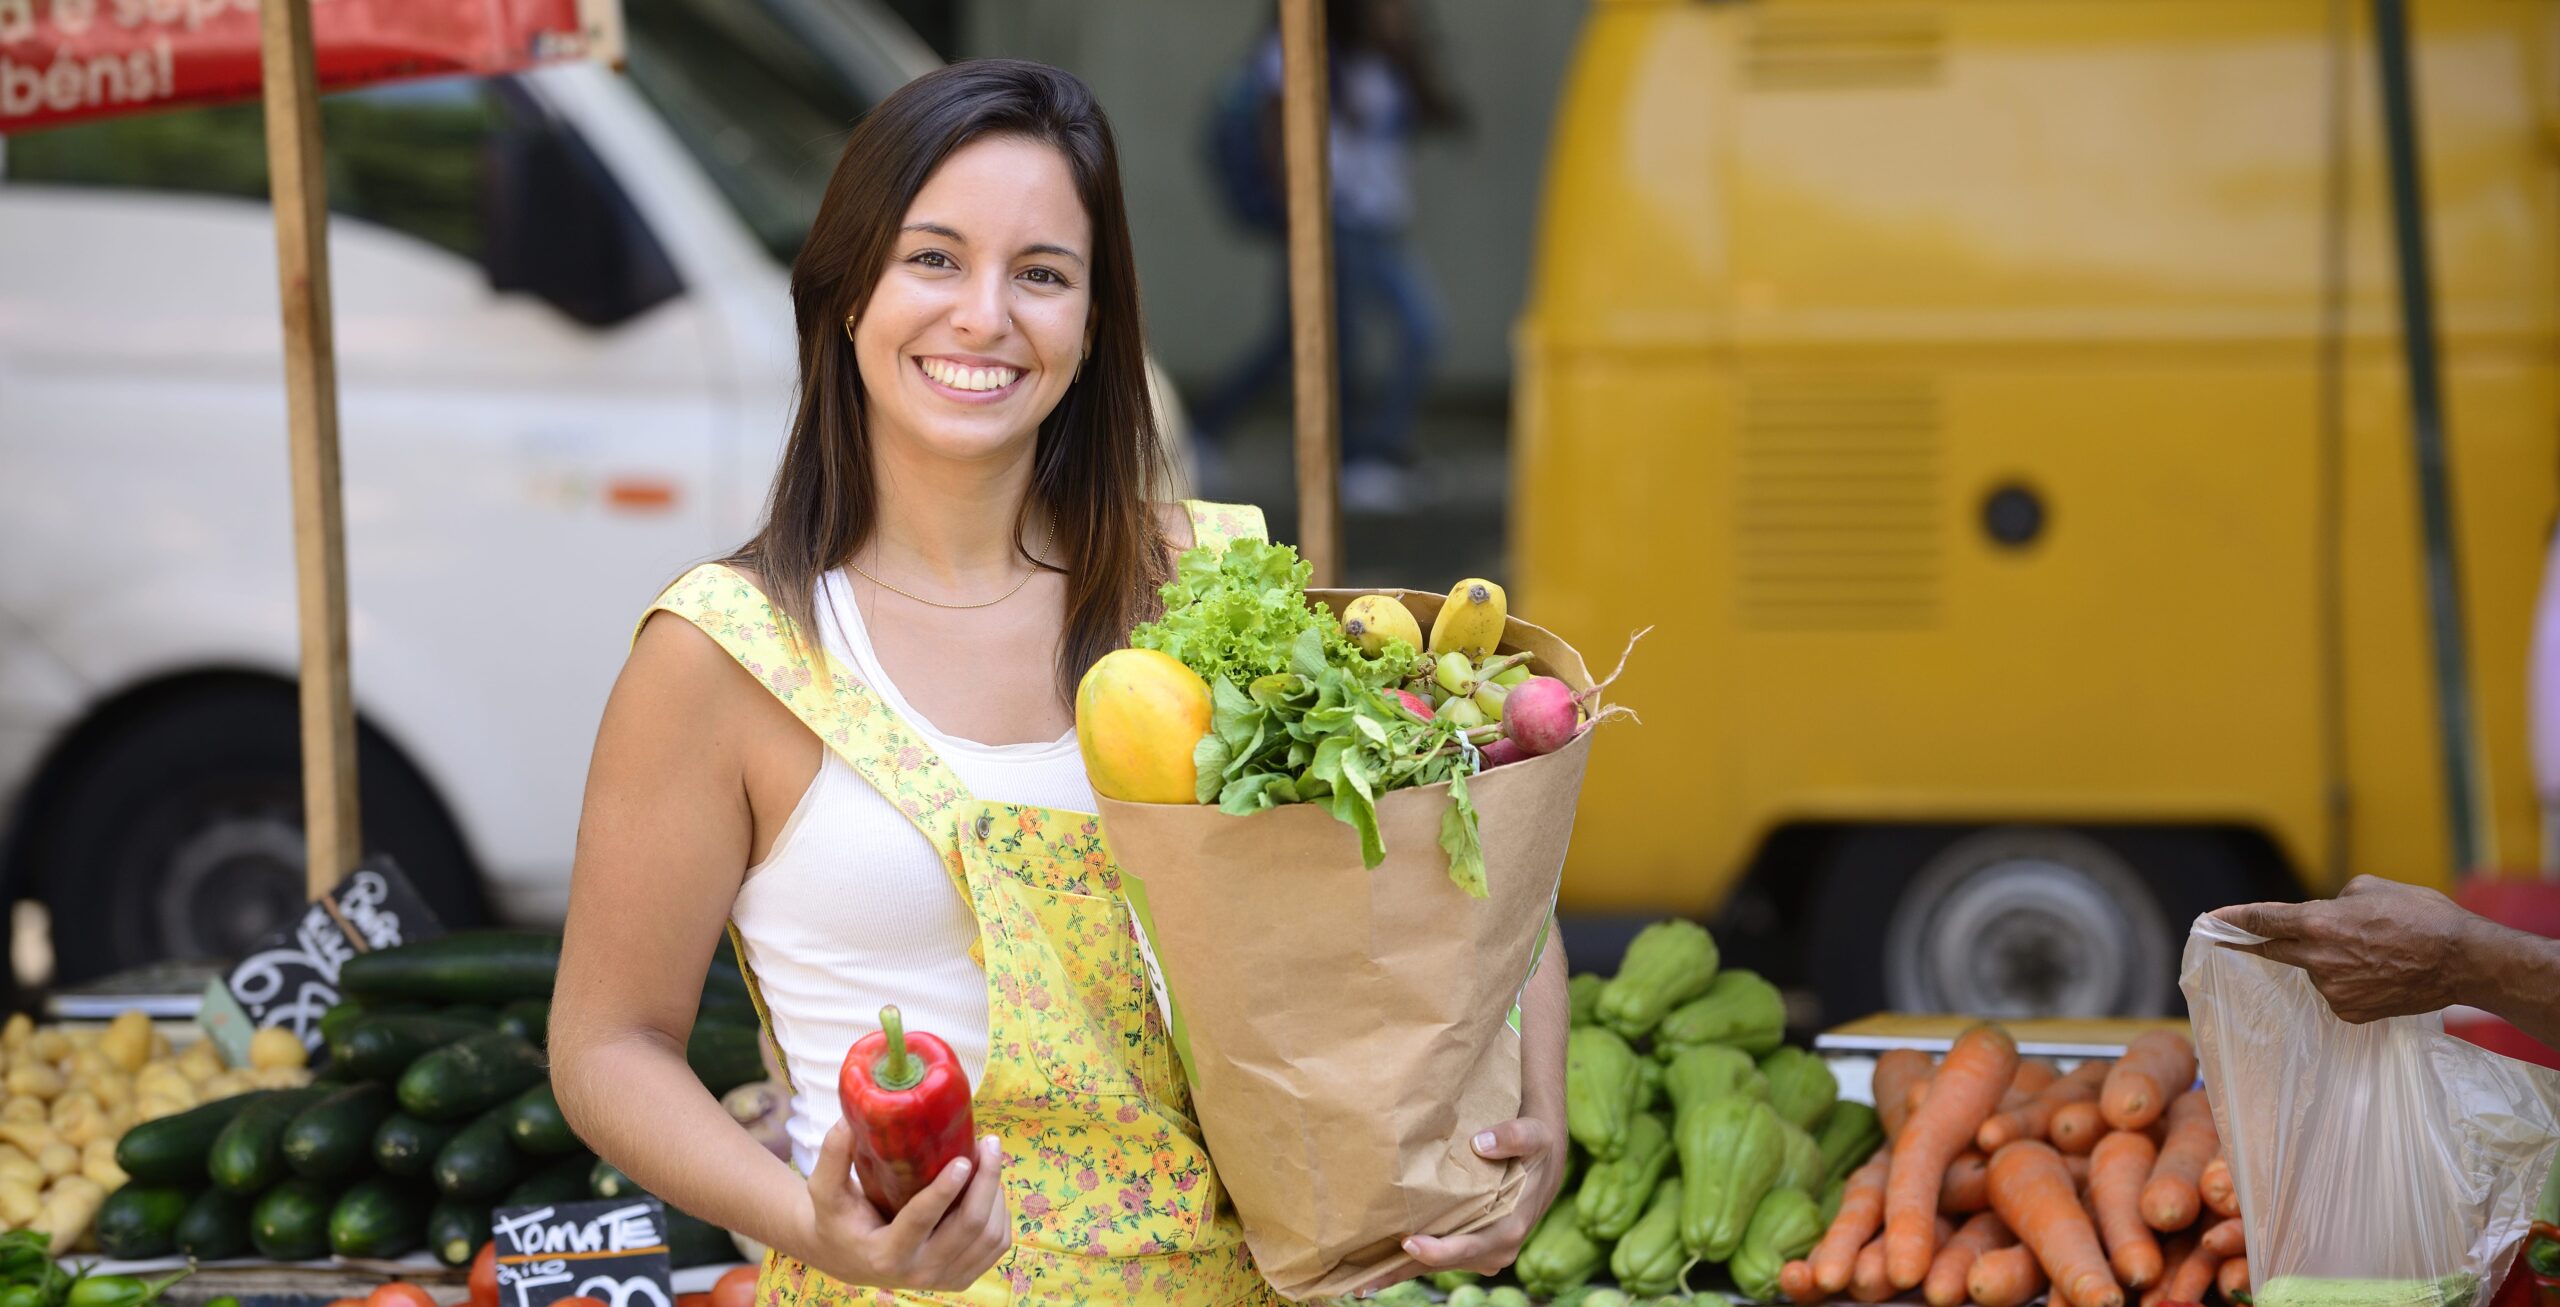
(1502, 751)
(1539, 715)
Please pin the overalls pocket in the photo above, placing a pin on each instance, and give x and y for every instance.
(1069, 972)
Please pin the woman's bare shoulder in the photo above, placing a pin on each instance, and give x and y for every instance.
(1175, 518)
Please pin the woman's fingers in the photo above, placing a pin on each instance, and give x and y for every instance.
(976, 1219)
(1525, 1136)
(833, 1190)
(907, 1235)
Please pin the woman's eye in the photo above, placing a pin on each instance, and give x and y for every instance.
(932, 259)
(1046, 276)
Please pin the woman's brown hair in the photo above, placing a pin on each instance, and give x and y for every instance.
(1099, 460)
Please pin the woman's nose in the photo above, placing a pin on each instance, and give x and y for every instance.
(983, 310)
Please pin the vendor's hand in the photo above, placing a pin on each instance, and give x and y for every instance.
(2379, 949)
(946, 1237)
(1539, 1143)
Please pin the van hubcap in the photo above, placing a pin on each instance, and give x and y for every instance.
(2022, 922)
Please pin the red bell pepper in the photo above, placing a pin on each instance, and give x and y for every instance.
(907, 1100)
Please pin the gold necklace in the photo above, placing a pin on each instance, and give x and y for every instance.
(1045, 546)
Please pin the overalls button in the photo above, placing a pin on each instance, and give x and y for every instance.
(986, 822)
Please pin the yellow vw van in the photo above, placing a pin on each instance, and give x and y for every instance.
(2001, 409)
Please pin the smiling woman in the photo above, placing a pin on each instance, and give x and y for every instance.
(965, 518)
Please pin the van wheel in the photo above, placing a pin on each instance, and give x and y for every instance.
(179, 834)
(2014, 921)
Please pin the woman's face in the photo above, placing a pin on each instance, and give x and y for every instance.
(975, 330)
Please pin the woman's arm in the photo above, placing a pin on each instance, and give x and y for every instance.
(663, 845)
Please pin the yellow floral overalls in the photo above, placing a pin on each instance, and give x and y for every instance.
(1111, 1191)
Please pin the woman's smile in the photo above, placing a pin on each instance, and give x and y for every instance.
(965, 379)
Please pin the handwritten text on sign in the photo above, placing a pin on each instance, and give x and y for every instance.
(614, 1250)
(291, 977)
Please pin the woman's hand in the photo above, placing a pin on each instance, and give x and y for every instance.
(946, 1237)
(1538, 1142)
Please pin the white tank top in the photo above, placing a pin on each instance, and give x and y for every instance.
(853, 909)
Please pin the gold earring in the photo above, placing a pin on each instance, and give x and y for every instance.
(848, 331)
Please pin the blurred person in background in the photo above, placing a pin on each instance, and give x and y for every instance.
(969, 512)
(1385, 89)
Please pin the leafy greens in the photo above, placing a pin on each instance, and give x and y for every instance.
(1298, 713)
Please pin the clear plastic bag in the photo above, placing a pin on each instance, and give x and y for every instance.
(2380, 1165)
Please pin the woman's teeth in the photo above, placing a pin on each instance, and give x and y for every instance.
(966, 378)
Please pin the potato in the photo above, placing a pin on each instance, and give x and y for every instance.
(111, 1090)
(68, 1208)
(19, 1201)
(84, 1122)
(58, 1159)
(224, 1086)
(159, 1043)
(50, 1045)
(152, 1107)
(165, 1079)
(98, 1162)
(19, 1029)
(276, 1046)
(279, 1077)
(29, 1138)
(127, 1041)
(23, 1111)
(88, 1064)
(201, 1062)
(80, 1037)
(35, 1080)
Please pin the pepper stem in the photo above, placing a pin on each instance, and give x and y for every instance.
(897, 1069)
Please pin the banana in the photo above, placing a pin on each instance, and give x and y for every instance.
(1470, 622)
(1372, 620)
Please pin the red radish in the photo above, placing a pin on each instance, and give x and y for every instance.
(1540, 715)
(1502, 751)
(1415, 704)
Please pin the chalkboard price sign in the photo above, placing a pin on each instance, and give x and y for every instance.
(291, 976)
(613, 1250)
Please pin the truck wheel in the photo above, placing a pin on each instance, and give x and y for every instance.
(2014, 921)
(179, 834)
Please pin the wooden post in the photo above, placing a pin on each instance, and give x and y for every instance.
(332, 831)
(1305, 114)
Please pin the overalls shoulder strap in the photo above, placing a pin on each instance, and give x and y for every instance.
(847, 715)
(1221, 524)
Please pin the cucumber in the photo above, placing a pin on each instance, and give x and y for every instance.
(331, 1138)
(141, 1220)
(478, 1014)
(455, 1230)
(248, 1155)
(172, 1149)
(216, 1225)
(535, 1125)
(528, 1019)
(478, 966)
(561, 1181)
(470, 1077)
(724, 1057)
(342, 1014)
(380, 1048)
(291, 1221)
(406, 1146)
(478, 1163)
(608, 1181)
(380, 1217)
(692, 1241)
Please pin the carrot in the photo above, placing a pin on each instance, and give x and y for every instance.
(1795, 1279)
(2222, 1238)
(2031, 1119)
(2004, 1277)
(2158, 1066)
(1835, 1257)
(1896, 1071)
(2173, 1253)
(2078, 1165)
(2221, 1196)
(1968, 1085)
(1945, 1285)
(2075, 1127)
(2233, 1280)
(2033, 1074)
(1868, 1282)
(2193, 1276)
(2032, 1192)
(2117, 1171)
(1963, 1191)
(2169, 1199)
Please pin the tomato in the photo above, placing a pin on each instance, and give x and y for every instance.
(484, 1276)
(346, 1302)
(737, 1288)
(693, 1300)
(399, 1293)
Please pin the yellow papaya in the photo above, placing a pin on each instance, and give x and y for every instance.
(1139, 717)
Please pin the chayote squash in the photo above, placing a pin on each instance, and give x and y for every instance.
(1800, 1161)
(1783, 1227)
(1731, 1150)
(1739, 1009)
(1669, 963)
(1583, 992)
(1700, 1073)
(1557, 1255)
(1832, 1193)
(1649, 1258)
(1446, 1281)
(1802, 1089)
(1849, 1136)
(1602, 1090)
(1650, 1072)
(1613, 1193)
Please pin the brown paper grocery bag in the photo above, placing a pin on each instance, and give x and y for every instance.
(1346, 1031)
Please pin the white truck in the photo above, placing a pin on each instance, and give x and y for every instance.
(565, 362)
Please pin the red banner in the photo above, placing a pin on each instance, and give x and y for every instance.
(63, 61)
